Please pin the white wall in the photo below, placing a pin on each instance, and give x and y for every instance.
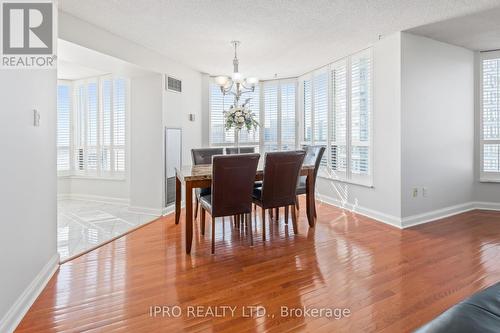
(383, 201)
(106, 189)
(437, 124)
(28, 186)
(146, 143)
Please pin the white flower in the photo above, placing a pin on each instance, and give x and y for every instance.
(241, 119)
(238, 113)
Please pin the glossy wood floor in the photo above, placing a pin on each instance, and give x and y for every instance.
(390, 280)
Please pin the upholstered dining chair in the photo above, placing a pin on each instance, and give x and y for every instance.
(232, 184)
(203, 156)
(281, 172)
(242, 150)
(314, 154)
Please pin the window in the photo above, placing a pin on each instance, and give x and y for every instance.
(277, 117)
(220, 103)
(63, 127)
(490, 116)
(95, 140)
(337, 114)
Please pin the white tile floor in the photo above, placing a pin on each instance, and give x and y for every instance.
(82, 225)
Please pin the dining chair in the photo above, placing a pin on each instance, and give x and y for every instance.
(242, 150)
(203, 156)
(232, 184)
(281, 172)
(314, 154)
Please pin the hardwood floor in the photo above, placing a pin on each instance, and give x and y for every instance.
(390, 280)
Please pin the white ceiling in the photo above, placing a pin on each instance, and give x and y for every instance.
(71, 71)
(77, 62)
(479, 31)
(278, 36)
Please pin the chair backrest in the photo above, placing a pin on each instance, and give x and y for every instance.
(204, 155)
(233, 177)
(281, 172)
(242, 150)
(314, 154)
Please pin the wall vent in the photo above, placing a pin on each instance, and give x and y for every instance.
(174, 84)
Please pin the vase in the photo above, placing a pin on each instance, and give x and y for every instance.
(237, 139)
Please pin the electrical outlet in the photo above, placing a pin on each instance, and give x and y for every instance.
(425, 192)
(414, 192)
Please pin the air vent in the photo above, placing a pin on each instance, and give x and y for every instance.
(174, 84)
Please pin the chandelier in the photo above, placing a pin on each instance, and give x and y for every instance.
(236, 85)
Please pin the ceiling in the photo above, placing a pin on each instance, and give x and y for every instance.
(280, 37)
(71, 71)
(479, 31)
(76, 62)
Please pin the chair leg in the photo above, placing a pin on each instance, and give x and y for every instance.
(297, 203)
(286, 214)
(263, 224)
(196, 204)
(271, 214)
(249, 227)
(202, 212)
(277, 210)
(213, 235)
(294, 221)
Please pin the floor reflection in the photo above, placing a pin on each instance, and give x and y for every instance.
(82, 225)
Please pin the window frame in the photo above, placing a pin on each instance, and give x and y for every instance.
(486, 177)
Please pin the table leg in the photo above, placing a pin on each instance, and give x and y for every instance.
(189, 216)
(310, 200)
(178, 189)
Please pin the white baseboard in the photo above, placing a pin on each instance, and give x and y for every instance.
(373, 214)
(487, 205)
(18, 310)
(437, 214)
(93, 198)
(146, 210)
(412, 220)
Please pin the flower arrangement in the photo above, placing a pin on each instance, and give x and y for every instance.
(239, 117)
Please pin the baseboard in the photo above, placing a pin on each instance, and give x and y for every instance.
(168, 210)
(93, 198)
(412, 220)
(373, 214)
(146, 210)
(19, 309)
(487, 205)
(437, 214)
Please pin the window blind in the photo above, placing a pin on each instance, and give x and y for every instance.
(307, 108)
(338, 143)
(320, 111)
(288, 112)
(360, 112)
(63, 127)
(337, 114)
(490, 116)
(271, 116)
(218, 103)
(97, 139)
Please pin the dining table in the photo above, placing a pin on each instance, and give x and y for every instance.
(200, 176)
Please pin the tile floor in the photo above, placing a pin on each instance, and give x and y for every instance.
(82, 225)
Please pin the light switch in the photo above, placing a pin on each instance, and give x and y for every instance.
(36, 118)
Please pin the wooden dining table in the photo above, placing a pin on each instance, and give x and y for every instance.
(200, 176)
